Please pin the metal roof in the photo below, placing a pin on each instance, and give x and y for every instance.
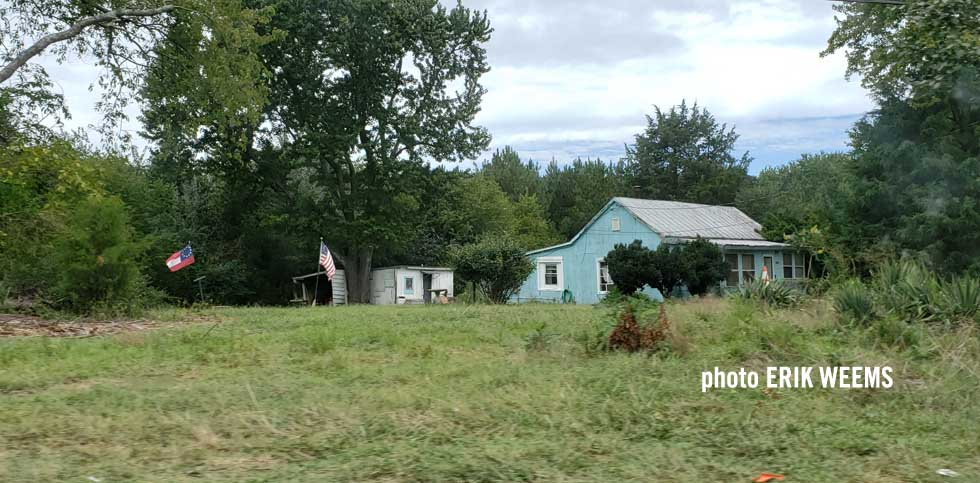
(734, 243)
(415, 267)
(679, 222)
(689, 220)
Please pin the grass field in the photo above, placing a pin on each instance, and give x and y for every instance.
(480, 393)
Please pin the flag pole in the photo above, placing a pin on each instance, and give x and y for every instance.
(316, 286)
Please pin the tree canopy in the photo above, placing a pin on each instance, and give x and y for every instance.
(124, 39)
(685, 155)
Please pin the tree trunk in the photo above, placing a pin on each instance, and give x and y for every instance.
(357, 269)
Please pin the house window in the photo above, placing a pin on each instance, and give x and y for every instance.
(550, 276)
(732, 260)
(615, 223)
(605, 281)
(409, 286)
(793, 265)
(748, 268)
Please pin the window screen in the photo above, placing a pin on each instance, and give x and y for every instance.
(748, 268)
(732, 279)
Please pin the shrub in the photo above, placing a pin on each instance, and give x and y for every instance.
(669, 269)
(703, 265)
(853, 302)
(498, 266)
(907, 289)
(630, 266)
(775, 294)
(616, 299)
(960, 298)
(630, 336)
(97, 257)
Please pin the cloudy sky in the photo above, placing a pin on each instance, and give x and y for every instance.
(575, 79)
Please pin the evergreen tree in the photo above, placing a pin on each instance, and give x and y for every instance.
(684, 155)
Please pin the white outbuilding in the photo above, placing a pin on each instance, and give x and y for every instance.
(406, 284)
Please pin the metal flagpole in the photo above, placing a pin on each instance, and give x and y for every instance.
(316, 286)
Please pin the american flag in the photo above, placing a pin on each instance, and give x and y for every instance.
(327, 261)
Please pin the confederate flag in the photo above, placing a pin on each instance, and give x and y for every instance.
(180, 259)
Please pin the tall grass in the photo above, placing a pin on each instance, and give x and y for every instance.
(473, 393)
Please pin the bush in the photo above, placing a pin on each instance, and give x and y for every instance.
(960, 298)
(669, 269)
(497, 266)
(630, 266)
(853, 302)
(909, 292)
(703, 265)
(97, 258)
(906, 289)
(630, 336)
(775, 294)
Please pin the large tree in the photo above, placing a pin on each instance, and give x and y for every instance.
(926, 51)
(514, 176)
(916, 159)
(121, 37)
(365, 91)
(806, 202)
(685, 155)
(572, 194)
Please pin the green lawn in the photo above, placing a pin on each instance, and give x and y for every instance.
(457, 393)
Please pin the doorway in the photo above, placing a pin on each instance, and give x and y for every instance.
(427, 288)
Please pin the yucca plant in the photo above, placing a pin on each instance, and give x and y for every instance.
(960, 298)
(774, 294)
(907, 289)
(853, 302)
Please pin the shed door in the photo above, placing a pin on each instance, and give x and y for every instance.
(391, 294)
(339, 288)
(767, 262)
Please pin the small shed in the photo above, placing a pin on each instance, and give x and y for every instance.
(315, 287)
(405, 284)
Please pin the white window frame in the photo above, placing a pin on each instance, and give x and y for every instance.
(405, 288)
(598, 277)
(541, 263)
(617, 225)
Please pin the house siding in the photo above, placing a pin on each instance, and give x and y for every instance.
(579, 258)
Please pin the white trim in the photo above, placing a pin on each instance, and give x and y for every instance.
(540, 263)
(617, 225)
(598, 277)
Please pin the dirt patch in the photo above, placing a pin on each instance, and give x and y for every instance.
(17, 325)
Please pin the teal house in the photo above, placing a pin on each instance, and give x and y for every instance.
(576, 270)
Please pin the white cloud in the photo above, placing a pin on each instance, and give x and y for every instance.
(754, 64)
(576, 79)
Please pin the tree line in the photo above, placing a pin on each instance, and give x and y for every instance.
(275, 123)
